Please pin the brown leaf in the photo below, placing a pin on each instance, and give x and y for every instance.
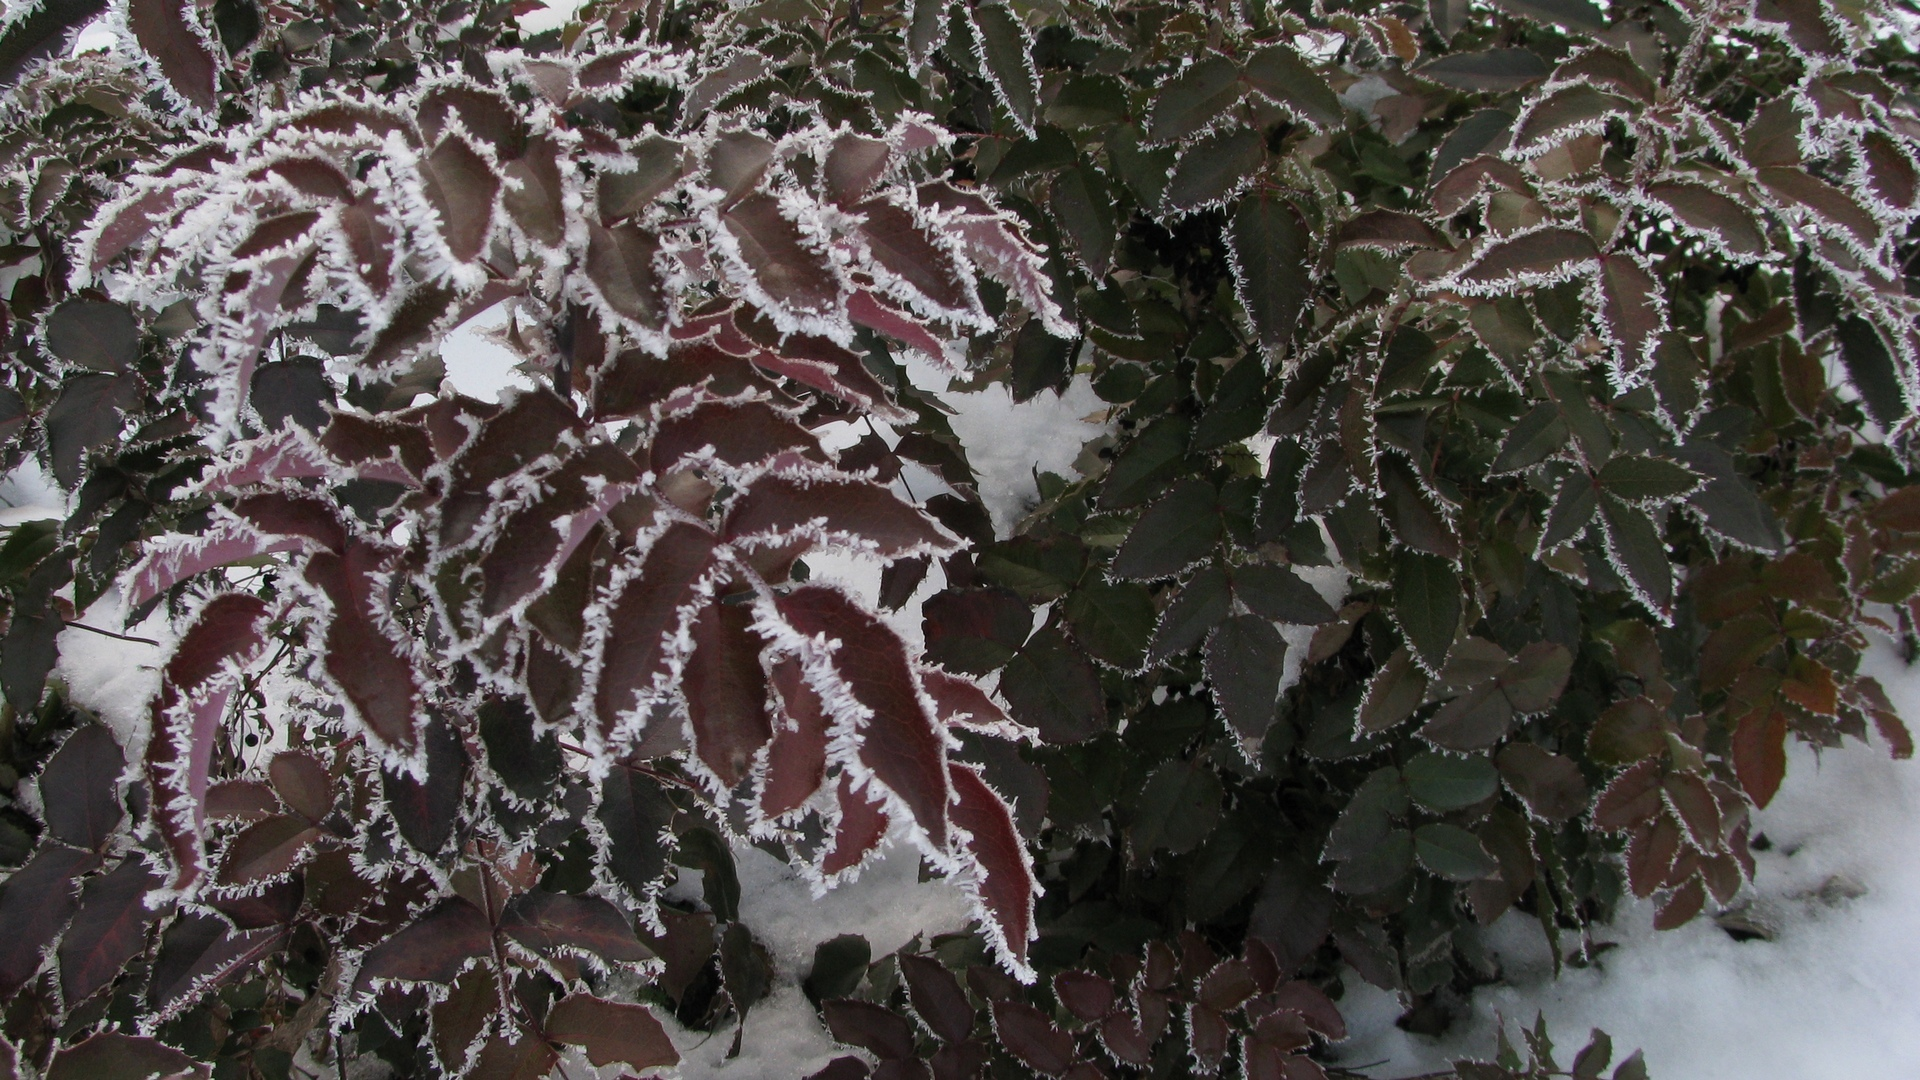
(1633, 797)
(827, 509)
(1760, 753)
(797, 763)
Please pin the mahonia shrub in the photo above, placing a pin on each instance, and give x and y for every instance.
(1510, 447)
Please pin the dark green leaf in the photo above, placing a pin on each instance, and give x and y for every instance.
(1637, 478)
(1211, 170)
(1203, 603)
(1871, 370)
(1245, 659)
(94, 334)
(1173, 534)
(1444, 782)
(1084, 210)
(1176, 808)
(635, 814)
(1005, 50)
(1426, 605)
(839, 964)
(1114, 622)
(1453, 853)
(1190, 101)
(1052, 687)
(1536, 437)
(1271, 263)
(1572, 509)
(1278, 72)
(1492, 71)
(1277, 593)
(1634, 546)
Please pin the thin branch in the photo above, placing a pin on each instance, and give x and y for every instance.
(111, 634)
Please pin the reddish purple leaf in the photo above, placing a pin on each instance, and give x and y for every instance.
(650, 609)
(797, 763)
(1207, 1035)
(867, 310)
(738, 433)
(240, 800)
(168, 34)
(862, 825)
(777, 509)
(779, 257)
(433, 948)
(557, 923)
(374, 674)
(610, 1031)
(267, 849)
(79, 788)
(109, 930)
(302, 783)
(937, 998)
(1633, 797)
(1027, 1034)
(35, 903)
(1085, 995)
(224, 544)
(1004, 883)
(903, 745)
(199, 952)
(1541, 256)
(186, 721)
(1760, 753)
(1632, 310)
(1312, 1004)
(461, 188)
(960, 702)
(905, 251)
(726, 691)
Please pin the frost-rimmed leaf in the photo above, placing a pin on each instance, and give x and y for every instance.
(643, 618)
(1245, 658)
(1279, 72)
(35, 905)
(433, 948)
(902, 747)
(1003, 886)
(1212, 170)
(178, 48)
(1543, 256)
(1490, 71)
(375, 673)
(1270, 248)
(1005, 52)
(1189, 102)
(1634, 546)
(109, 929)
(79, 788)
(1173, 533)
(1632, 315)
(610, 1031)
(825, 508)
(1426, 606)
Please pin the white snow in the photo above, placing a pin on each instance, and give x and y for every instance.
(1836, 995)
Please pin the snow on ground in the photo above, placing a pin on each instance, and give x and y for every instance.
(1836, 995)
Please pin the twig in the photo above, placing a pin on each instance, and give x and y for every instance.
(111, 634)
